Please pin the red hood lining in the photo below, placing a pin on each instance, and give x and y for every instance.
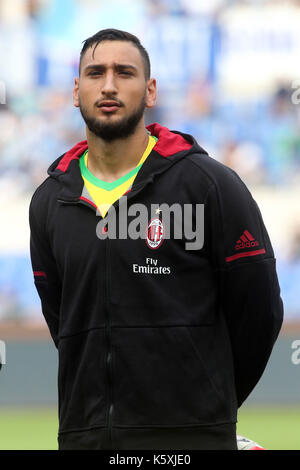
(73, 154)
(168, 144)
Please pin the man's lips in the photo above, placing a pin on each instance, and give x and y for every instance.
(109, 106)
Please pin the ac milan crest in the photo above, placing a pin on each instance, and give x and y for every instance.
(155, 233)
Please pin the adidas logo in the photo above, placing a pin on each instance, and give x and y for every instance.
(246, 241)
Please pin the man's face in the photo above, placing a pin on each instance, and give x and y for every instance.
(112, 91)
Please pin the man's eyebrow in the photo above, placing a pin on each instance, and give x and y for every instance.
(116, 66)
(125, 66)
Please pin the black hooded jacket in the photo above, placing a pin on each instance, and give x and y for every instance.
(158, 344)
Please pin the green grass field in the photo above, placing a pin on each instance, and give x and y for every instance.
(35, 429)
(274, 428)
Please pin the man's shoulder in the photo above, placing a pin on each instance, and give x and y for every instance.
(215, 171)
(44, 193)
(217, 177)
(50, 185)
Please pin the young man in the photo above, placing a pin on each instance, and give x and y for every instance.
(162, 333)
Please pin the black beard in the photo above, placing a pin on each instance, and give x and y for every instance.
(117, 130)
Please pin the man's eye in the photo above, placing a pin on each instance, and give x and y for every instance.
(96, 72)
(123, 72)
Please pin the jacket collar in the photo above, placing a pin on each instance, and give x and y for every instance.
(170, 148)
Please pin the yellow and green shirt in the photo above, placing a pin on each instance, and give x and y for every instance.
(104, 194)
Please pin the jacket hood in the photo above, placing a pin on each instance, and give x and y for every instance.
(170, 147)
(169, 144)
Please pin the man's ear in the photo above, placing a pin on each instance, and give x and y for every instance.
(76, 93)
(151, 93)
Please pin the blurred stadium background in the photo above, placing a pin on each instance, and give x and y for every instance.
(228, 72)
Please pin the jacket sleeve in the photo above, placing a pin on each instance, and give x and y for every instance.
(46, 277)
(244, 262)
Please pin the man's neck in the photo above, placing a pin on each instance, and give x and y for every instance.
(109, 161)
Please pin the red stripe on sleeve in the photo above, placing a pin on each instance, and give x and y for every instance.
(246, 253)
(39, 273)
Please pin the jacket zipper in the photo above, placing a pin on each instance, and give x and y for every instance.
(108, 335)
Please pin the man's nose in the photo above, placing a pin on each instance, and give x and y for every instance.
(109, 86)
